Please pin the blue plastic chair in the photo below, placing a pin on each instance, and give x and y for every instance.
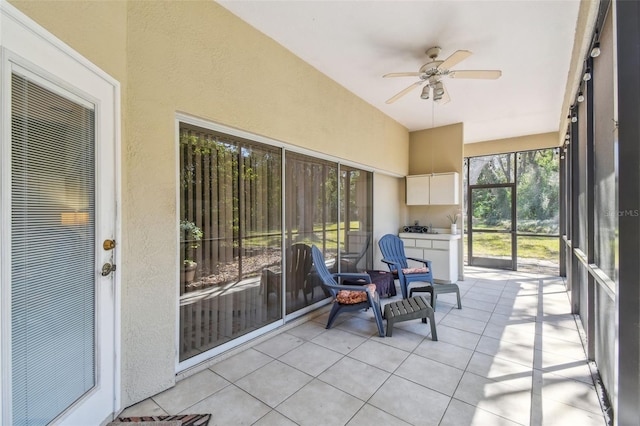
(330, 283)
(392, 249)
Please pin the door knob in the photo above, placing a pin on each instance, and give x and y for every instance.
(107, 268)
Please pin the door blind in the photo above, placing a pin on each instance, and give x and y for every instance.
(52, 252)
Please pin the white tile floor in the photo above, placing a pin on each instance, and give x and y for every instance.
(512, 355)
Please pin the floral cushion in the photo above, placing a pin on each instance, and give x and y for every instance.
(349, 297)
(415, 270)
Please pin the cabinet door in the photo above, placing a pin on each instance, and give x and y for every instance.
(440, 264)
(418, 190)
(444, 189)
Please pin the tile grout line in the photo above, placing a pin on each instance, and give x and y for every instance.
(536, 414)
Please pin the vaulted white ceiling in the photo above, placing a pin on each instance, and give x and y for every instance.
(356, 42)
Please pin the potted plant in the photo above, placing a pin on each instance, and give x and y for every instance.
(192, 235)
(454, 223)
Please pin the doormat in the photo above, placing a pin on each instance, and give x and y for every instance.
(184, 419)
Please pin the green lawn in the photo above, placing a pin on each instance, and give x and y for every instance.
(499, 245)
(272, 239)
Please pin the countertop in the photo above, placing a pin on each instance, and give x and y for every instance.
(439, 236)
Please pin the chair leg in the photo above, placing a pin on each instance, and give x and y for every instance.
(427, 289)
(335, 309)
(432, 323)
(434, 295)
(377, 313)
(403, 289)
(431, 290)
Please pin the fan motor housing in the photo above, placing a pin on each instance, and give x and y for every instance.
(431, 68)
(433, 52)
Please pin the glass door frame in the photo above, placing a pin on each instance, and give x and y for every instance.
(488, 262)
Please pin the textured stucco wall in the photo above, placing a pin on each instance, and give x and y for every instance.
(196, 57)
(522, 143)
(437, 150)
(388, 212)
(95, 29)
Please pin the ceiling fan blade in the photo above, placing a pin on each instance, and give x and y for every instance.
(403, 92)
(401, 74)
(455, 58)
(477, 74)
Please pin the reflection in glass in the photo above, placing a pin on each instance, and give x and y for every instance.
(356, 224)
(312, 218)
(230, 231)
(237, 272)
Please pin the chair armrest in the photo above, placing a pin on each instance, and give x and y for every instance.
(353, 275)
(350, 287)
(427, 263)
(393, 263)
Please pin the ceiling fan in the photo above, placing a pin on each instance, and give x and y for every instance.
(432, 72)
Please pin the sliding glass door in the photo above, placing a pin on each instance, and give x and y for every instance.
(241, 270)
(312, 219)
(230, 236)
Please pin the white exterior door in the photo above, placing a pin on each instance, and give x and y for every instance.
(59, 308)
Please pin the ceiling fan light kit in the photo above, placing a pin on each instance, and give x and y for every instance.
(425, 92)
(432, 73)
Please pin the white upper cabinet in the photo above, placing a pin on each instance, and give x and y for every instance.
(444, 189)
(438, 188)
(418, 190)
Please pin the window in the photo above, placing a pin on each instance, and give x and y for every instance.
(241, 269)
